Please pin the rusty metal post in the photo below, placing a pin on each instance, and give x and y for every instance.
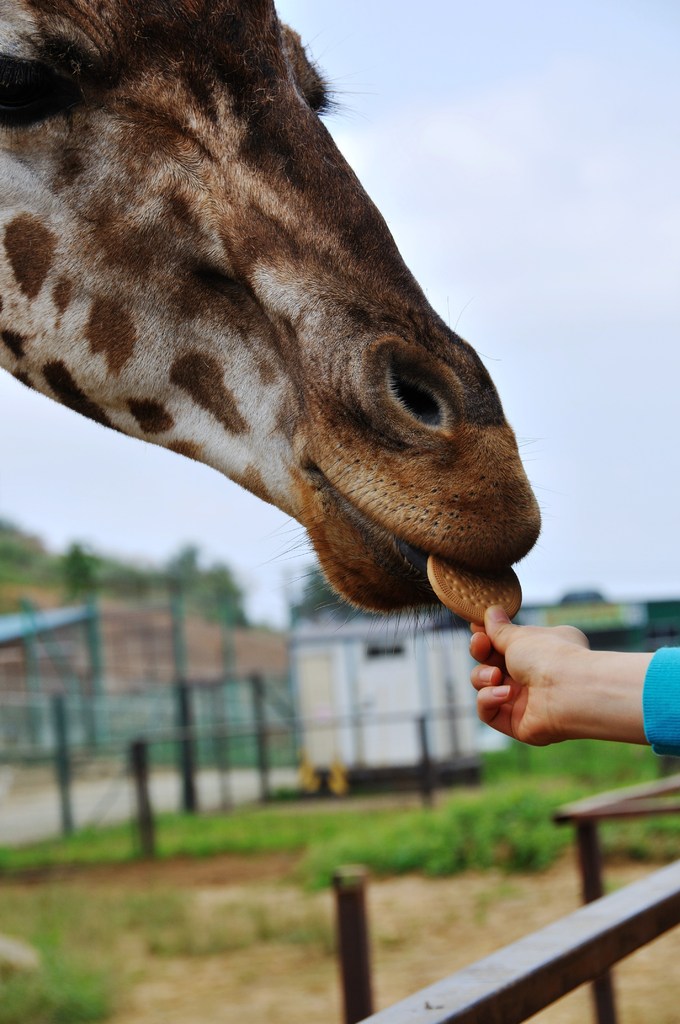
(590, 860)
(426, 765)
(139, 763)
(62, 754)
(260, 717)
(185, 746)
(349, 884)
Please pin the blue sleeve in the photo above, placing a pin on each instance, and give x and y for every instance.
(661, 702)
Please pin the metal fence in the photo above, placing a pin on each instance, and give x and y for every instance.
(210, 747)
(29, 724)
(424, 772)
(512, 984)
(516, 982)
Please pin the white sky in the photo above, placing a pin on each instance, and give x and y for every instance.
(527, 159)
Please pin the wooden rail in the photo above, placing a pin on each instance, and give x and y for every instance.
(530, 974)
(631, 802)
(641, 801)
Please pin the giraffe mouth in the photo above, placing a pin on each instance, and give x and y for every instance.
(395, 559)
(367, 558)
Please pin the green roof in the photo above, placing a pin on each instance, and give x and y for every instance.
(24, 624)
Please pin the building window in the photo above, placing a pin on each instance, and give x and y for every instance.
(384, 651)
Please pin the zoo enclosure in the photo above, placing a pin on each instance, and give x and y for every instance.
(512, 984)
(95, 679)
(426, 774)
(509, 986)
(210, 747)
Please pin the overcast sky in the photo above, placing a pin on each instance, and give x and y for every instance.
(527, 159)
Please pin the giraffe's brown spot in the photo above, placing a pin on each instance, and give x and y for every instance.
(61, 294)
(201, 376)
(110, 330)
(23, 378)
(152, 417)
(188, 448)
(67, 391)
(30, 250)
(71, 166)
(14, 342)
(181, 209)
(252, 480)
(267, 369)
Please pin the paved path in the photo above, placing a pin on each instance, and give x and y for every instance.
(30, 807)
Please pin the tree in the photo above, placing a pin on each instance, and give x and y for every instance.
(183, 568)
(318, 599)
(214, 591)
(79, 570)
(220, 596)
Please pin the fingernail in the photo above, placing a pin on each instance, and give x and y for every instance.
(485, 675)
(501, 691)
(497, 614)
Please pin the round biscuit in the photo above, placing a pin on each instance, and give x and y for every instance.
(469, 594)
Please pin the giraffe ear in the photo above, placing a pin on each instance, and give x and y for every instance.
(309, 79)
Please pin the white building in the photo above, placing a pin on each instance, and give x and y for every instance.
(362, 687)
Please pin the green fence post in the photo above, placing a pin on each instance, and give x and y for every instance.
(187, 760)
(228, 641)
(33, 687)
(221, 744)
(185, 745)
(179, 644)
(139, 764)
(259, 715)
(96, 723)
(63, 761)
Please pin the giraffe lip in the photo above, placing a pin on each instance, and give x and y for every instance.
(416, 557)
(405, 557)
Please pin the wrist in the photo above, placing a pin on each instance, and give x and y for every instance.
(605, 696)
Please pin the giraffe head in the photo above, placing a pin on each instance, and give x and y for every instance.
(186, 257)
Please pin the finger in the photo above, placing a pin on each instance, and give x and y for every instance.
(482, 650)
(495, 709)
(484, 676)
(499, 627)
(480, 647)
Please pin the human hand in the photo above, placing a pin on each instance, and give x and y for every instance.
(528, 677)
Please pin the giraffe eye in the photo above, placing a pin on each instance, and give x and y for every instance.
(31, 92)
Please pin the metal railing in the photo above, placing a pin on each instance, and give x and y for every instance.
(519, 980)
(640, 801)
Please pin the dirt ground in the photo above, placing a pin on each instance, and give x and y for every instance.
(421, 930)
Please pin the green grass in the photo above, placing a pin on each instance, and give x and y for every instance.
(503, 825)
(77, 978)
(588, 763)
(506, 823)
(245, 831)
(508, 827)
(85, 935)
(81, 931)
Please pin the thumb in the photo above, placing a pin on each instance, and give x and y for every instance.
(498, 627)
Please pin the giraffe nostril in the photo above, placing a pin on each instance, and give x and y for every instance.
(416, 399)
